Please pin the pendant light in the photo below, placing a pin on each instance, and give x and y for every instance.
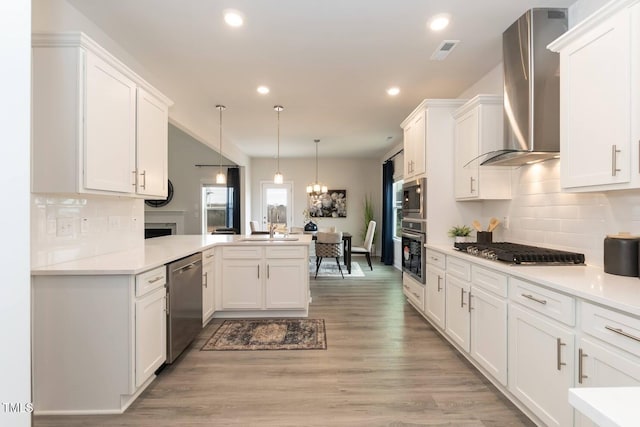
(316, 188)
(278, 178)
(221, 178)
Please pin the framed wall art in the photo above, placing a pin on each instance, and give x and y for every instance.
(332, 204)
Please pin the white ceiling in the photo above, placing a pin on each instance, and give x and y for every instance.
(328, 62)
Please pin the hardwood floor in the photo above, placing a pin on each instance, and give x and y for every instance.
(384, 366)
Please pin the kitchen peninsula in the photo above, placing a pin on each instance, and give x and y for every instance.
(99, 324)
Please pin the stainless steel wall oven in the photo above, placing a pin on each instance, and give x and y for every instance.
(414, 237)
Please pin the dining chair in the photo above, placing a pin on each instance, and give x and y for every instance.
(365, 249)
(254, 226)
(328, 245)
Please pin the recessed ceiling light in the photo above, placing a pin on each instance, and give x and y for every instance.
(233, 18)
(439, 22)
(393, 91)
(263, 90)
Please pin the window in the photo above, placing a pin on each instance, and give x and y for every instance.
(214, 206)
(397, 209)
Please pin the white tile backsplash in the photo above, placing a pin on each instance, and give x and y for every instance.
(541, 214)
(69, 228)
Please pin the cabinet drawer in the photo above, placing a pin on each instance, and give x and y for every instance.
(207, 255)
(436, 258)
(151, 280)
(550, 303)
(489, 280)
(615, 328)
(242, 252)
(414, 291)
(286, 252)
(458, 268)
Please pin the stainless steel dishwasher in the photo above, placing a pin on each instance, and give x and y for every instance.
(184, 302)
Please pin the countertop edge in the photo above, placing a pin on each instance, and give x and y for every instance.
(582, 281)
(155, 253)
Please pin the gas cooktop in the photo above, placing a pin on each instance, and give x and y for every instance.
(520, 254)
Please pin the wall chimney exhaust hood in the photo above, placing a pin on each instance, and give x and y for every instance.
(531, 89)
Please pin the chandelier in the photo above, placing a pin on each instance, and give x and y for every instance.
(221, 178)
(278, 178)
(315, 188)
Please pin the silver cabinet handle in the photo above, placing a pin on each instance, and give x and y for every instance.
(206, 279)
(416, 295)
(471, 179)
(135, 178)
(434, 258)
(462, 291)
(155, 279)
(144, 179)
(581, 355)
(207, 256)
(621, 332)
(439, 287)
(470, 307)
(258, 271)
(559, 345)
(532, 298)
(267, 271)
(614, 155)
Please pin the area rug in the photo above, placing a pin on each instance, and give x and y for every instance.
(329, 268)
(269, 334)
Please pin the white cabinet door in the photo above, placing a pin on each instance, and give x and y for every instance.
(284, 286)
(435, 295)
(489, 332)
(208, 285)
(110, 128)
(152, 145)
(479, 131)
(600, 365)
(466, 149)
(541, 365)
(151, 334)
(415, 147)
(457, 311)
(242, 284)
(596, 99)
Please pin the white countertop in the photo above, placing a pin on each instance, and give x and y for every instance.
(156, 252)
(607, 406)
(587, 282)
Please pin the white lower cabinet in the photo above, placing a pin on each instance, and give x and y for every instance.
(541, 365)
(259, 278)
(457, 311)
(151, 334)
(414, 292)
(208, 285)
(489, 332)
(434, 306)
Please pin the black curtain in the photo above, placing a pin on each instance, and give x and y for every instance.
(233, 199)
(387, 213)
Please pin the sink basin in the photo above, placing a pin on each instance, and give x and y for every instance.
(266, 238)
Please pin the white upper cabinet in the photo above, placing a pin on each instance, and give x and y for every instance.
(479, 131)
(414, 146)
(599, 99)
(97, 126)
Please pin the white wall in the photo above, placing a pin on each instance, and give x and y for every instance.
(15, 357)
(357, 176)
(100, 225)
(184, 153)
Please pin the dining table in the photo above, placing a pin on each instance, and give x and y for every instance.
(346, 240)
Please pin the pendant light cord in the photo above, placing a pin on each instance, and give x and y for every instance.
(316, 141)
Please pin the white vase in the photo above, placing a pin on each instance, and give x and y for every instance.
(461, 239)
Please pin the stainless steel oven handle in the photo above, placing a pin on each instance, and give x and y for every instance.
(413, 235)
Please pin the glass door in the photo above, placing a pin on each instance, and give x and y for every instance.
(277, 206)
(214, 208)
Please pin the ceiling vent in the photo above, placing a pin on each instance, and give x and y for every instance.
(444, 49)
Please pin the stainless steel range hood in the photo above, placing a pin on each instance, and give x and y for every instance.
(531, 89)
